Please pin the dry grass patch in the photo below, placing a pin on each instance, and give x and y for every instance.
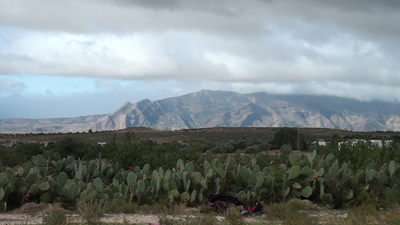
(39, 208)
(369, 215)
(277, 213)
(92, 210)
(233, 216)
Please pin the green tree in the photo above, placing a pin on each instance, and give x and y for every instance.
(20, 154)
(289, 136)
(69, 146)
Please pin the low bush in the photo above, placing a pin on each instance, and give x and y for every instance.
(92, 210)
(286, 213)
(55, 217)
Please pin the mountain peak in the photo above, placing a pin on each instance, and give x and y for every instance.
(146, 100)
(127, 103)
(124, 108)
(211, 108)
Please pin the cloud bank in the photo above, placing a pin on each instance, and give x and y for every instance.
(343, 48)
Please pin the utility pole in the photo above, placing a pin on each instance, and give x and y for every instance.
(298, 140)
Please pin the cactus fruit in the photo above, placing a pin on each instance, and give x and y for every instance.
(185, 197)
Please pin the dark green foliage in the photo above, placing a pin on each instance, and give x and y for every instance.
(362, 154)
(16, 156)
(253, 149)
(291, 137)
(134, 152)
(71, 146)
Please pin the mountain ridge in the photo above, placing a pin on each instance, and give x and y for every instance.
(208, 108)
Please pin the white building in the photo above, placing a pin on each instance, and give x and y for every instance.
(378, 143)
(321, 142)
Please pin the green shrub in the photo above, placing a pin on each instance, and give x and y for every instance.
(92, 210)
(55, 217)
(233, 216)
(253, 149)
(286, 149)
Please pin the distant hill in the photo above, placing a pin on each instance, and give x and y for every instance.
(208, 108)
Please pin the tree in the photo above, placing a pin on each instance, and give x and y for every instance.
(68, 146)
(291, 137)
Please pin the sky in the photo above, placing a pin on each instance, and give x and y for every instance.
(75, 58)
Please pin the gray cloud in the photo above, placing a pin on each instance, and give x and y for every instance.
(129, 16)
(239, 17)
(338, 47)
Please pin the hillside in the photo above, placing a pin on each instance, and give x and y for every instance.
(227, 109)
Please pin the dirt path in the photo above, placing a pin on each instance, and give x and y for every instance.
(32, 213)
(14, 219)
(8, 218)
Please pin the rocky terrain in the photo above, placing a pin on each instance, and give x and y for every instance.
(208, 108)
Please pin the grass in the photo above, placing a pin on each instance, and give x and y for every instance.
(369, 215)
(287, 213)
(296, 212)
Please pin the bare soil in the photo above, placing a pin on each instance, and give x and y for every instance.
(33, 213)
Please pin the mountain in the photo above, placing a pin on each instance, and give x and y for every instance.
(208, 108)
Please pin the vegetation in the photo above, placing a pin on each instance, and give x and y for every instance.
(289, 136)
(23, 153)
(137, 175)
(55, 217)
(92, 210)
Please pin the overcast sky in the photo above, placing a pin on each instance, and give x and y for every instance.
(82, 57)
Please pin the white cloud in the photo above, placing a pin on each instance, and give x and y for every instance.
(293, 47)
